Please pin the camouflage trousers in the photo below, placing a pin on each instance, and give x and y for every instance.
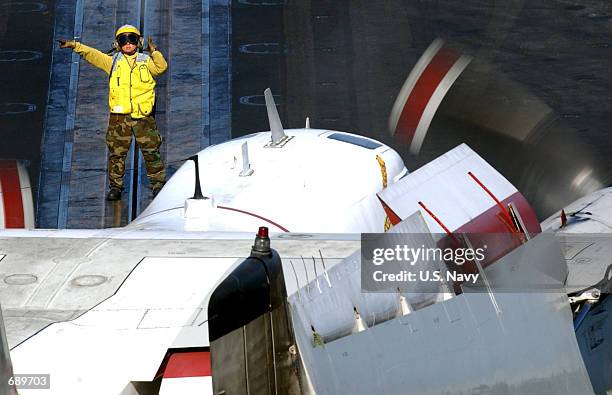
(118, 140)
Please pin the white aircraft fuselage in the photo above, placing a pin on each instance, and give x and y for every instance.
(319, 181)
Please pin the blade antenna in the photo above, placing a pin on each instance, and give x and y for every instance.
(276, 127)
(198, 189)
(246, 166)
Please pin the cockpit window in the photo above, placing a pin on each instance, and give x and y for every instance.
(355, 140)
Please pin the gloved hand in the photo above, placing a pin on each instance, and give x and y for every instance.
(150, 46)
(66, 43)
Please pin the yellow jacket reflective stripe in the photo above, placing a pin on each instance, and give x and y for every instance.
(131, 82)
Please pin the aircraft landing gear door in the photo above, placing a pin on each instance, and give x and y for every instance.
(252, 342)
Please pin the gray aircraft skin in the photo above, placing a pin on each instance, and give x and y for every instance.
(513, 336)
(473, 343)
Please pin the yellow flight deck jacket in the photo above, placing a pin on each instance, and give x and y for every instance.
(131, 83)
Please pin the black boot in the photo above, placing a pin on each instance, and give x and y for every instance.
(114, 194)
(155, 190)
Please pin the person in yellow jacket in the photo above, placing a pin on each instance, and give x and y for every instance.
(131, 100)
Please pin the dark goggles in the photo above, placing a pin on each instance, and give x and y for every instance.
(128, 38)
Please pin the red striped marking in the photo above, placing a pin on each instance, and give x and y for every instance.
(487, 222)
(487, 229)
(423, 89)
(11, 195)
(394, 218)
(256, 216)
(188, 364)
(496, 200)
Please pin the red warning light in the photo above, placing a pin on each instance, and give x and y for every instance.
(263, 232)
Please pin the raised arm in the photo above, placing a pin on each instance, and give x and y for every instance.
(157, 64)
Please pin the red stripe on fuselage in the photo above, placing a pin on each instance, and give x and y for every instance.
(11, 195)
(256, 216)
(423, 89)
(188, 364)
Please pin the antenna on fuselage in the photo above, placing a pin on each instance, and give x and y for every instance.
(279, 138)
(307, 123)
(198, 189)
(246, 165)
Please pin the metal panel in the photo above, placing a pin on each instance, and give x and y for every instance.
(519, 343)
(252, 302)
(260, 356)
(229, 364)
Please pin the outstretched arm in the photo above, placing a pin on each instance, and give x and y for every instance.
(92, 55)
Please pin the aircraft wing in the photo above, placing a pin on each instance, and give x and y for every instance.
(98, 310)
(588, 260)
(584, 231)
